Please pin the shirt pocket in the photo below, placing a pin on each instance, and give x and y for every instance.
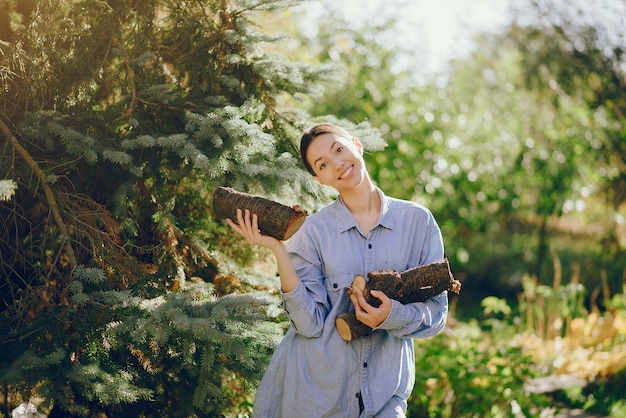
(337, 286)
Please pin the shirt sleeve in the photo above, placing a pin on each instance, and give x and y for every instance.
(307, 305)
(419, 319)
(433, 250)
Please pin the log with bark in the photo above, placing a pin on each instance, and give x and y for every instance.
(413, 285)
(275, 219)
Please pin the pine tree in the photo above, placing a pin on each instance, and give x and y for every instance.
(119, 292)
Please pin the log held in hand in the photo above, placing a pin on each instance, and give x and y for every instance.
(414, 285)
(275, 219)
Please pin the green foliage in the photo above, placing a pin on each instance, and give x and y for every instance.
(119, 120)
(494, 305)
(563, 337)
(470, 372)
(578, 55)
(175, 354)
(482, 367)
(187, 345)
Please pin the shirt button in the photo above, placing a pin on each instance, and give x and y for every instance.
(335, 285)
(365, 364)
(369, 246)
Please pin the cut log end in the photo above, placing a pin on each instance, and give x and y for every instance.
(350, 328)
(295, 224)
(344, 329)
(359, 283)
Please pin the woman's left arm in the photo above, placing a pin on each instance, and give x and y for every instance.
(417, 320)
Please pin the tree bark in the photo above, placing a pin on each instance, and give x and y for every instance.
(275, 219)
(413, 285)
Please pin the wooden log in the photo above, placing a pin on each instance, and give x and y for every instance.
(275, 219)
(413, 285)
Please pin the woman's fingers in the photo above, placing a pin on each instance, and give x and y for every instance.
(370, 315)
(247, 225)
(242, 226)
(234, 225)
(255, 224)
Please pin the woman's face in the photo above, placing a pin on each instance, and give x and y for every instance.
(337, 161)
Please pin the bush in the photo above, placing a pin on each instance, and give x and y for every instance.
(469, 371)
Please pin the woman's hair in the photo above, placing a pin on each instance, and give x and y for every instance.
(313, 132)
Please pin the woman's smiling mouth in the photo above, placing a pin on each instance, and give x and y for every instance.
(346, 173)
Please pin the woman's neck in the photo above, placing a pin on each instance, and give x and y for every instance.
(364, 204)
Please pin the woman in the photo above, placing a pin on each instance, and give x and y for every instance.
(314, 372)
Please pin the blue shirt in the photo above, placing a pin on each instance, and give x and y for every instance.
(314, 373)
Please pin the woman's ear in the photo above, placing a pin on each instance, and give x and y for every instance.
(317, 179)
(357, 143)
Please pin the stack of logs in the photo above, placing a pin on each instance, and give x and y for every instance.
(414, 285)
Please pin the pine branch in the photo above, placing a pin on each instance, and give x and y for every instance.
(54, 208)
(188, 241)
(134, 96)
(174, 236)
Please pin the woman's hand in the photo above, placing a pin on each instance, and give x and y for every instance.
(367, 313)
(248, 226)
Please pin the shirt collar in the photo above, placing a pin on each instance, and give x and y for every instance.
(345, 220)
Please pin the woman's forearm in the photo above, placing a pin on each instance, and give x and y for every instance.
(289, 279)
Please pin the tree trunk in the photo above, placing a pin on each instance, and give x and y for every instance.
(275, 219)
(414, 285)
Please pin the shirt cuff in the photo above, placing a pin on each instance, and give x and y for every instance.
(398, 317)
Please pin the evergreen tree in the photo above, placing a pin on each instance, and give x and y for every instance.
(119, 292)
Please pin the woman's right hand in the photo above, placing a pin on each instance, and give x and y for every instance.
(248, 226)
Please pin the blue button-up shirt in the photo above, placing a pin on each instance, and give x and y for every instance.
(314, 373)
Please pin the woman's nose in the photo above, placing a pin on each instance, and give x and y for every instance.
(337, 163)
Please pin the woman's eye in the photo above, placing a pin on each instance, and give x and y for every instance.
(322, 165)
(339, 149)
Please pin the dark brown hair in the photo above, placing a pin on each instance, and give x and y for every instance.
(313, 132)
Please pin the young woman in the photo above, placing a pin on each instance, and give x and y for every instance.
(314, 373)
